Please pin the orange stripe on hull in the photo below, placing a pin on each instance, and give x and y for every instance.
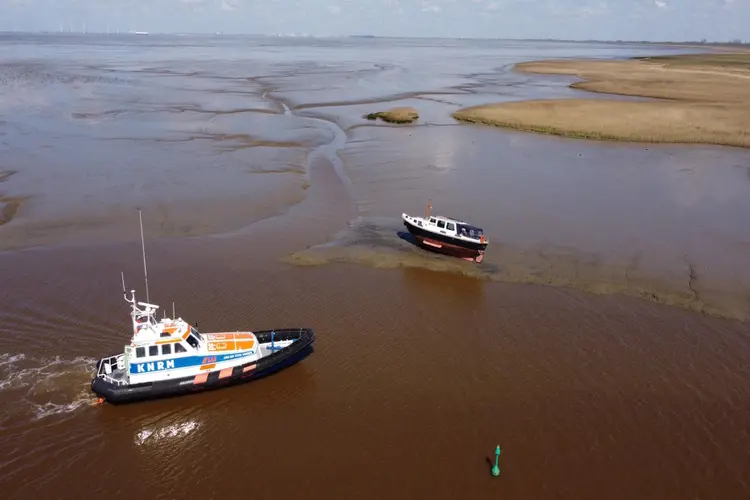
(208, 367)
(226, 372)
(248, 368)
(200, 378)
(432, 244)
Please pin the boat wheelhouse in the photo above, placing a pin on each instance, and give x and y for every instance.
(447, 235)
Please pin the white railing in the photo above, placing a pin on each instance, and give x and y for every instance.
(118, 362)
(111, 379)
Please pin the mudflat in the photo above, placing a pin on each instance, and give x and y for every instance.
(698, 98)
(269, 200)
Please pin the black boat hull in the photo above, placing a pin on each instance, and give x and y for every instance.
(446, 244)
(304, 339)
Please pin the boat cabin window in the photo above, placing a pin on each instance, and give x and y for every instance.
(432, 220)
(166, 349)
(153, 350)
(441, 224)
(450, 226)
(179, 348)
(140, 352)
(193, 341)
(470, 231)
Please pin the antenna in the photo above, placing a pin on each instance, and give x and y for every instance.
(124, 292)
(173, 316)
(143, 247)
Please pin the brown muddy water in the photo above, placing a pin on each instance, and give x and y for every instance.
(268, 201)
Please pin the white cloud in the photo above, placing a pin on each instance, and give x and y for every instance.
(597, 9)
(428, 7)
(230, 5)
(660, 4)
(334, 9)
(493, 6)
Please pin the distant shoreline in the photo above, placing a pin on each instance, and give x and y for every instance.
(698, 98)
(687, 43)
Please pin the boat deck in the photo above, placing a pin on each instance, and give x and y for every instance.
(265, 348)
(116, 376)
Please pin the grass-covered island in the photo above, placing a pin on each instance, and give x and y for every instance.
(698, 98)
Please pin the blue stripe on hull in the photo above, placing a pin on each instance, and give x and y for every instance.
(184, 362)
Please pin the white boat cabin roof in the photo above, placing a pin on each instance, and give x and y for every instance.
(433, 219)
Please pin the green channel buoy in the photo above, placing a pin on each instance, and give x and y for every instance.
(495, 468)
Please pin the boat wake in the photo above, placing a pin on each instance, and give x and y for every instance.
(383, 242)
(42, 387)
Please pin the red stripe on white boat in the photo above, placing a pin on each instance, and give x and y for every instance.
(428, 242)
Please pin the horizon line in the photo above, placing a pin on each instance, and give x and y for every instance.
(734, 42)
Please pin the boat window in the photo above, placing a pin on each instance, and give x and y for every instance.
(166, 349)
(432, 220)
(441, 224)
(179, 348)
(420, 223)
(153, 350)
(140, 352)
(450, 227)
(193, 341)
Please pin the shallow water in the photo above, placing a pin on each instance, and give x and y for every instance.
(266, 207)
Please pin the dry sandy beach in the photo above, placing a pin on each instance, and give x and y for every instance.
(603, 342)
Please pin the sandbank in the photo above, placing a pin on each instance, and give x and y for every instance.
(395, 115)
(698, 98)
(8, 209)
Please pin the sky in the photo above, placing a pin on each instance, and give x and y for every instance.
(656, 20)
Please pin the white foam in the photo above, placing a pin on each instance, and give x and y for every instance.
(168, 432)
(9, 359)
(49, 408)
(46, 385)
